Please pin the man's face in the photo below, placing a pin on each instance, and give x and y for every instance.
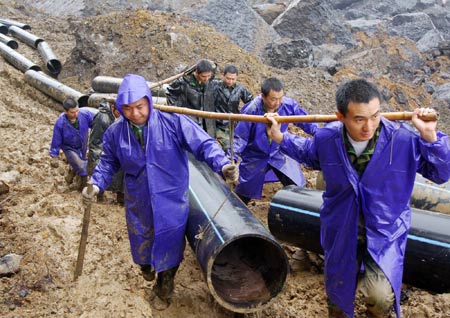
(229, 79)
(72, 113)
(362, 119)
(203, 77)
(137, 112)
(273, 100)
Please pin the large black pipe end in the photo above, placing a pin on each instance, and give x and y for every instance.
(13, 44)
(3, 29)
(247, 273)
(54, 67)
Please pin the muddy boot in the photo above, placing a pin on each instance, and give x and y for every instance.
(164, 284)
(70, 175)
(83, 183)
(147, 272)
(120, 197)
(101, 196)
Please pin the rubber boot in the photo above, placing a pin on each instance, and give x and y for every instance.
(83, 183)
(70, 175)
(147, 272)
(120, 197)
(101, 196)
(164, 284)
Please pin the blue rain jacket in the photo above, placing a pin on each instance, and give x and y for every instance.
(157, 177)
(382, 193)
(66, 137)
(252, 144)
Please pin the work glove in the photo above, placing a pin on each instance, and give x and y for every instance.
(54, 163)
(88, 198)
(231, 173)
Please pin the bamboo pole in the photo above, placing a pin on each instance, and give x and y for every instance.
(281, 119)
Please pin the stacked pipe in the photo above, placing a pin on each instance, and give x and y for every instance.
(294, 218)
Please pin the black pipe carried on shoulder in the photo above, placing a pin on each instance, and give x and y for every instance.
(245, 267)
(25, 36)
(10, 23)
(294, 218)
(54, 88)
(9, 41)
(17, 60)
(52, 63)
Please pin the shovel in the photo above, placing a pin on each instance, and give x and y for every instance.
(84, 234)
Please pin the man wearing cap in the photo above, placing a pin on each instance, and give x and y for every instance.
(70, 134)
(151, 147)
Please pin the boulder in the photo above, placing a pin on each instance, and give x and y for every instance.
(315, 20)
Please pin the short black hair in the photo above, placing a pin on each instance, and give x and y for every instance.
(230, 69)
(203, 66)
(269, 84)
(69, 102)
(356, 91)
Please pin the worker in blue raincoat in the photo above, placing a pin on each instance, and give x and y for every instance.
(151, 147)
(70, 133)
(369, 164)
(259, 155)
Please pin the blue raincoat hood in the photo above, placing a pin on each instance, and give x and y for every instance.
(133, 88)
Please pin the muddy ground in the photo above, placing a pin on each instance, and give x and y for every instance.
(40, 217)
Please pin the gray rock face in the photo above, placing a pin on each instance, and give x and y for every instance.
(315, 20)
(239, 22)
(286, 53)
(442, 93)
(411, 25)
(269, 11)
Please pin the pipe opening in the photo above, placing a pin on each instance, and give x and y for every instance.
(54, 67)
(35, 67)
(248, 272)
(13, 44)
(83, 100)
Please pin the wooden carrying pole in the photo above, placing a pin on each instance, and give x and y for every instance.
(281, 119)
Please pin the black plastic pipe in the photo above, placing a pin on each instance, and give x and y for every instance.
(3, 29)
(426, 195)
(245, 267)
(96, 98)
(25, 36)
(51, 61)
(107, 84)
(10, 23)
(8, 41)
(17, 60)
(54, 88)
(294, 218)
